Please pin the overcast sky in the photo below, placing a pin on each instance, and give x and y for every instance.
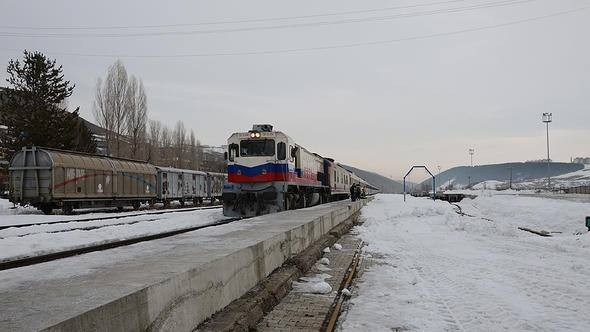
(478, 75)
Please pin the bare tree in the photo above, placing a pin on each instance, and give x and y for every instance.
(109, 104)
(193, 162)
(166, 147)
(136, 112)
(154, 142)
(199, 157)
(179, 135)
(103, 115)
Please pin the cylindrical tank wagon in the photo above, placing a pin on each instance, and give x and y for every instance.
(50, 179)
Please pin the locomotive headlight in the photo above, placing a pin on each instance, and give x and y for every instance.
(252, 135)
(257, 135)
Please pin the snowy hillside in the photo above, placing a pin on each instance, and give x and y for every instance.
(568, 180)
(461, 177)
(386, 185)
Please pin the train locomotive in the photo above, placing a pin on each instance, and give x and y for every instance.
(269, 172)
(55, 179)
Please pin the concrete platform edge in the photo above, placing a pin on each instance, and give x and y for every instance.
(182, 302)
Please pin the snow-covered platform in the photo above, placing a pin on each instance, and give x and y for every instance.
(162, 285)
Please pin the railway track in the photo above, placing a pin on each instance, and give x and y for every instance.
(28, 261)
(86, 228)
(112, 217)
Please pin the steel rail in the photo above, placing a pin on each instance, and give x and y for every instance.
(332, 318)
(113, 217)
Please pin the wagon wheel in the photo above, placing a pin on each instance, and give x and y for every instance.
(136, 205)
(46, 209)
(68, 209)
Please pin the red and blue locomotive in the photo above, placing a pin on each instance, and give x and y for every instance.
(269, 172)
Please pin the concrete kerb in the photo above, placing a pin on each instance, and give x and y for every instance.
(182, 302)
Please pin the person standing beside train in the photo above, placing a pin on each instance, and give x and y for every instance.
(353, 192)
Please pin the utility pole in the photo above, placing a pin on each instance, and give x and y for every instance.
(510, 183)
(437, 181)
(471, 152)
(548, 118)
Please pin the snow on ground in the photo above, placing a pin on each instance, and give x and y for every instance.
(435, 270)
(490, 184)
(314, 285)
(10, 215)
(7, 208)
(42, 239)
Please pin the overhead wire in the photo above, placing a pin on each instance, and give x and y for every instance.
(255, 20)
(328, 47)
(492, 4)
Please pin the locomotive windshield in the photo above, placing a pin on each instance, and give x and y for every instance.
(257, 148)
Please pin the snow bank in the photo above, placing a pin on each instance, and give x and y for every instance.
(434, 270)
(510, 212)
(7, 208)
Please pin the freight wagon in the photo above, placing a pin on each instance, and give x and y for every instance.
(181, 185)
(50, 179)
(54, 179)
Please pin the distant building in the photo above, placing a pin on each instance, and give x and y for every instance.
(581, 160)
(3, 152)
(99, 136)
(538, 161)
(213, 160)
(3, 130)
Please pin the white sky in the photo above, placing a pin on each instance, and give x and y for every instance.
(381, 107)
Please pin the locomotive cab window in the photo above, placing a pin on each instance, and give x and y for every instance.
(281, 151)
(257, 148)
(234, 150)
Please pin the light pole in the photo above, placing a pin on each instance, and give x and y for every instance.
(547, 118)
(471, 152)
(438, 176)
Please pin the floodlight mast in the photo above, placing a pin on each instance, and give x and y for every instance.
(548, 118)
(471, 152)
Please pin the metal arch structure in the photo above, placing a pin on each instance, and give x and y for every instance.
(433, 180)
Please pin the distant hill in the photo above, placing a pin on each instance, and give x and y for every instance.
(462, 176)
(386, 185)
